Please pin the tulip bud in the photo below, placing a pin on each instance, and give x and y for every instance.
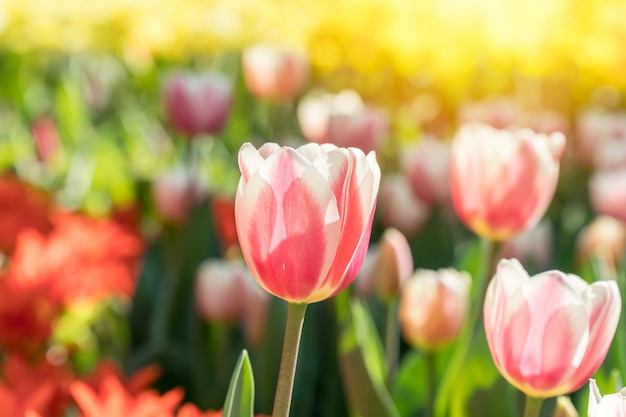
(502, 182)
(548, 334)
(433, 307)
(219, 291)
(175, 193)
(426, 165)
(304, 217)
(605, 238)
(607, 192)
(198, 103)
(564, 407)
(394, 264)
(274, 74)
(611, 405)
(399, 207)
(342, 119)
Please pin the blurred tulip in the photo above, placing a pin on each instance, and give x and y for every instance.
(498, 112)
(175, 193)
(46, 137)
(611, 405)
(503, 181)
(607, 192)
(548, 334)
(273, 73)
(255, 312)
(605, 238)
(601, 138)
(433, 307)
(364, 281)
(219, 291)
(304, 217)
(394, 264)
(532, 246)
(343, 120)
(427, 167)
(399, 207)
(198, 103)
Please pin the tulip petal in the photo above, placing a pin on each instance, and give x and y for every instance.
(594, 399)
(604, 303)
(288, 224)
(545, 336)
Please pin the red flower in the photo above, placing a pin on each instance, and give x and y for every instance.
(83, 259)
(27, 389)
(21, 206)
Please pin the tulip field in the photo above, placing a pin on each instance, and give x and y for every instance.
(355, 208)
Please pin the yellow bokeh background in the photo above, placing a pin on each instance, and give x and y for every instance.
(462, 47)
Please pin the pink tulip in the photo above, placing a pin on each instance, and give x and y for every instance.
(304, 217)
(603, 238)
(342, 119)
(399, 207)
(175, 193)
(548, 334)
(503, 181)
(220, 291)
(433, 307)
(601, 138)
(393, 266)
(611, 405)
(607, 191)
(198, 103)
(427, 167)
(273, 73)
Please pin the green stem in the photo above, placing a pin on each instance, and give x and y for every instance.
(431, 370)
(289, 358)
(392, 339)
(533, 406)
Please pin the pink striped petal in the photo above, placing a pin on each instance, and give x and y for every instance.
(604, 304)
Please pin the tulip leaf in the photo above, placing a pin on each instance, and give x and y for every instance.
(362, 364)
(240, 397)
(409, 388)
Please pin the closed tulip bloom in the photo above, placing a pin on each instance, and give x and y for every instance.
(611, 405)
(394, 264)
(548, 334)
(343, 120)
(502, 181)
(426, 165)
(399, 207)
(433, 307)
(198, 103)
(603, 238)
(607, 192)
(175, 192)
(220, 290)
(304, 217)
(274, 73)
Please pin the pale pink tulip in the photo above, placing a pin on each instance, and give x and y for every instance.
(220, 290)
(343, 120)
(274, 73)
(175, 192)
(502, 181)
(610, 405)
(607, 192)
(498, 112)
(433, 307)
(603, 238)
(601, 138)
(393, 265)
(198, 103)
(304, 217)
(548, 334)
(427, 167)
(399, 207)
